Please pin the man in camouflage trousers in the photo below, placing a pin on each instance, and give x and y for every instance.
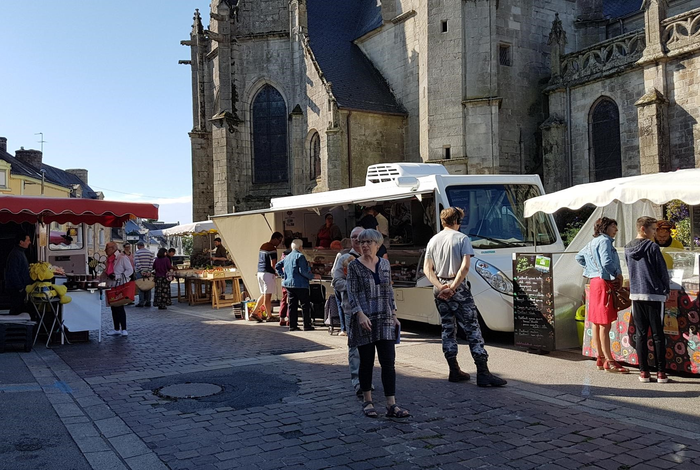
(447, 261)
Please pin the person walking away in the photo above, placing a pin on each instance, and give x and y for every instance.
(649, 289)
(161, 268)
(143, 264)
(667, 243)
(267, 259)
(17, 274)
(601, 265)
(339, 283)
(447, 262)
(117, 271)
(373, 325)
(296, 273)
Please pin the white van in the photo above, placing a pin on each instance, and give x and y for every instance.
(411, 196)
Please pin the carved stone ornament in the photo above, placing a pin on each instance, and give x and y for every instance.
(557, 35)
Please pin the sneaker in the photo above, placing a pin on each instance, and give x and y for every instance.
(309, 328)
(147, 304)
(661, 377)
(644, 376)
(114, 333)
(342, 333)
(125, 333)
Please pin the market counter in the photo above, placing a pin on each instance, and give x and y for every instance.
(681, 326)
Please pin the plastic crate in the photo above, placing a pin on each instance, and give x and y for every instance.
(17, 334)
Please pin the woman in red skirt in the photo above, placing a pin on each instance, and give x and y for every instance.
(601, 265)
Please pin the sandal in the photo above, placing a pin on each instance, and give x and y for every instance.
(369, 412)
(394, 411)
(615, 368)
(600, 362)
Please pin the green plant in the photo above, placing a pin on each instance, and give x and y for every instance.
(187, 245)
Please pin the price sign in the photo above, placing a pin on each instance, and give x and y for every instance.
(533, 302)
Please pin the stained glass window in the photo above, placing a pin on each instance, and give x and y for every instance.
(315, 156)
(605, 141)
(270, 158)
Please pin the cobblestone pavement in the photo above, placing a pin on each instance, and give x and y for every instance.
(287, 403)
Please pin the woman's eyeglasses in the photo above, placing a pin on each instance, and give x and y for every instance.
(366, 242)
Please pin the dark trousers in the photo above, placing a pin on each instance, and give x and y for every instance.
(284, 304)
(296, 296)
(17, 301)
(649, 314)
(119, 318)
(387, 356)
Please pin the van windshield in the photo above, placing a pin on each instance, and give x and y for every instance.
(493, 215)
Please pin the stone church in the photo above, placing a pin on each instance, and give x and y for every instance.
(296, 96)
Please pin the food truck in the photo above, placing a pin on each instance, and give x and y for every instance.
(410, 196)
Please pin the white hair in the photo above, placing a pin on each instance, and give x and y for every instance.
(297, 244)
(356, 229)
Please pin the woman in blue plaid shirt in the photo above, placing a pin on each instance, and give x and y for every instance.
(373, 323)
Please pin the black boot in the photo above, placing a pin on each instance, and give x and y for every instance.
(484, 378)
(456, 374)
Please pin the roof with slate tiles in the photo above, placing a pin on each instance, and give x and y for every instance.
(52, 174)
(619, 8)
(356, 83)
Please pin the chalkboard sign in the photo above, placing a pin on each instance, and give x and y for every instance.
(533, 302)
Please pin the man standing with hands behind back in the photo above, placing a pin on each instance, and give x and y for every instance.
(447, 261)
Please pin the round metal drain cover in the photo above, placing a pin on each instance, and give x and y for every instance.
(190, 390)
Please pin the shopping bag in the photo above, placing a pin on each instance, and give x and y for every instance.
(121, 295)
(145, 284)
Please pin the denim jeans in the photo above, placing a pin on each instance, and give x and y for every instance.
(340, 312)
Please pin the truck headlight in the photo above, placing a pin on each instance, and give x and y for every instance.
(494, 277)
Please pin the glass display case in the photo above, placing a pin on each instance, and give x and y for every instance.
(406, 266)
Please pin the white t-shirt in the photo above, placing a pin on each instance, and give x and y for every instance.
(383, 225)
(447, 249)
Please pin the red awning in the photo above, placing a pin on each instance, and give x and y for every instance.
(73, 210)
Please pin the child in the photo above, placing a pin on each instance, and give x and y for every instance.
(649, 288)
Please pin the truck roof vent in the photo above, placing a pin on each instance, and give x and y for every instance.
(383, 172)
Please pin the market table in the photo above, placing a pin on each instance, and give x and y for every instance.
(681, 326)
(202, 290)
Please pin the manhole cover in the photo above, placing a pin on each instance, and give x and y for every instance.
(189, 390)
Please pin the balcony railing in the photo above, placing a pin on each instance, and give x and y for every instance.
(603, 58)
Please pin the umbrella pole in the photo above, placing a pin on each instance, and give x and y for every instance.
(692, 228)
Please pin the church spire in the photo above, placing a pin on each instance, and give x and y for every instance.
(197, 27)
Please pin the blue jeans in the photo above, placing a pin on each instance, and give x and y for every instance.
(340, 313)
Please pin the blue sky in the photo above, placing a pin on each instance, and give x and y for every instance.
(101, 80)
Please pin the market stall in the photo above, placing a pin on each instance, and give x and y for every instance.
(626, 199)
(83, 313)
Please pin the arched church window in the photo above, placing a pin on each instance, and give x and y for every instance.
(270, 158)
(315, 156)
(606, 155)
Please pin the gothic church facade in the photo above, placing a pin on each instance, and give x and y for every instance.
(295, 96)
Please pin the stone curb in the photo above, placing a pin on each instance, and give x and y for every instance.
(104, 439)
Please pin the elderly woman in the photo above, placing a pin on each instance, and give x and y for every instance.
(296, 274)
(601, 264)
(117, 271)
(373, 322)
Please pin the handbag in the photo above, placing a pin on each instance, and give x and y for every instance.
(620, 298)
(145, 284)
(122, 294)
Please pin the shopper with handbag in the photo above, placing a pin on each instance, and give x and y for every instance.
(601, 264)
(649, 289)
(161, 268)
(117, 271)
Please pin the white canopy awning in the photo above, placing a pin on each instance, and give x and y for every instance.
(204, 227)
(659, 188)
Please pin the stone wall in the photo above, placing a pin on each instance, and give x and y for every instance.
(262, 16)
(374, 138)
(683, 79)
(625, 90)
